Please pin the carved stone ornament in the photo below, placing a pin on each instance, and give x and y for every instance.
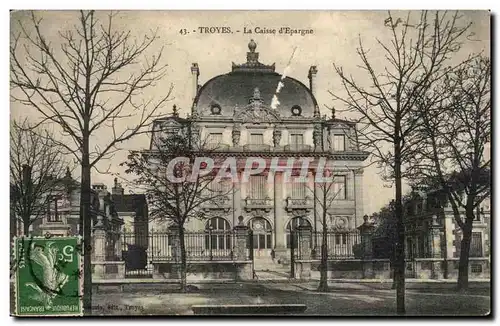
(236, 135)
(256, 111)
(329, 139)
(341, 223)
(276, 137)
(195, 132)
(317, 135)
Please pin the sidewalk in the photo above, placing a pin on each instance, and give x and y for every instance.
(343, 299)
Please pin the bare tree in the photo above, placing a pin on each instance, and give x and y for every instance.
(324, 193)
(93, 80)
(176, 193)
(416, 57)
(456, 126)
(37, 168)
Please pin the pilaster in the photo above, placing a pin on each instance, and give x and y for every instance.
(236, 198)
(279, 213)
(358, 195)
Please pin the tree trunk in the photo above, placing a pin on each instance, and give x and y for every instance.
(463, 265)
(26, 227)
(323, 280)
(399, 270)
(86, 229)
(183, 268)
(323, 272)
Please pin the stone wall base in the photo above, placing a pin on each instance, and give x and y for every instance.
(205, 271)
(424, 268)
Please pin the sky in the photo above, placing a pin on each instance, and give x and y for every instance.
(335, 38)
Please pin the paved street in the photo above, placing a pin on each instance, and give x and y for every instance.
(344, 299)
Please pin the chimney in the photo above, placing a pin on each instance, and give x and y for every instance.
(313, 71)
(195, 72)
(117, 188)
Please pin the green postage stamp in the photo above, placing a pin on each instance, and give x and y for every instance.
(48, 276)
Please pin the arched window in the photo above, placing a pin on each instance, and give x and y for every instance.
(262, 233)
(292, 226)
(219, 235)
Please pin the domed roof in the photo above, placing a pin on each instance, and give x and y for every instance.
(236, 89)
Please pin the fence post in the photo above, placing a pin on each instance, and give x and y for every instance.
(304, 244)
(99, 249)
(435, 238)
(366, 232)
(243, 265)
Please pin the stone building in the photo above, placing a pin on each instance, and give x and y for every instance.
(63, 210)
(432, 232)
(433, 237)
(236, 112)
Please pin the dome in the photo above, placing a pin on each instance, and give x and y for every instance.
(237, 88)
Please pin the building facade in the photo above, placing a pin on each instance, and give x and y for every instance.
(253, 111)
(62, 216)
(427, 211)
(433, 237)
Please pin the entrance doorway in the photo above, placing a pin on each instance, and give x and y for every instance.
(262, 237)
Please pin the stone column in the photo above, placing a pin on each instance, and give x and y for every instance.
(435, 244)
(366, 233)
(99, 249)
(316, 210)
(279, 213)
(279, 216)
(304, 268)
(243, 263)
(237, 198)
(317, 137)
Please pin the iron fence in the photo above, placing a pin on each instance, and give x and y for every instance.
(141, 251)
(339, 245)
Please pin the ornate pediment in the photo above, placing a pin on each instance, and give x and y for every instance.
(256, 111)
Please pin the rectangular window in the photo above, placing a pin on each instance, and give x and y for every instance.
(339, 187)
(218, 186)
(257, 187)
(296, 139)
(215, 138)
(339, 143)
(476, 245)
(256, 139)
(298, 190)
